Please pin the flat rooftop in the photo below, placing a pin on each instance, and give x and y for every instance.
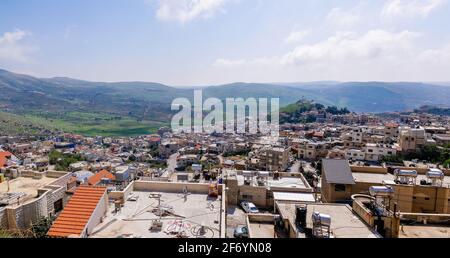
(372, 177)
(344, 223)
(135, 217)
(424, 232)
(27, 185)
(446, 181)
(379, 178)
(288, 182)
(262, 229)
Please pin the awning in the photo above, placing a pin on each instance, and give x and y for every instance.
(294, 197)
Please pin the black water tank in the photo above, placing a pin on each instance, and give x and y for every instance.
(300, 218)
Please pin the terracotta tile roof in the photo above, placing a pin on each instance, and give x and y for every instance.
(76, 214)
(2, 161)
(5, 154)
(95, 179)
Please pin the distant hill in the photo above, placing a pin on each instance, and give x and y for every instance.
(440, 111)
(307, 111)
(148, 102)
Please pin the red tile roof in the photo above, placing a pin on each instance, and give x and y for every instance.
(5, 154)
(78, 211)
(2, 161)
(95, 179)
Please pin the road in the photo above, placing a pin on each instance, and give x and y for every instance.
(171, 165)
(172, 162)
(296, 167)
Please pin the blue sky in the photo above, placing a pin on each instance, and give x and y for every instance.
(202, 42)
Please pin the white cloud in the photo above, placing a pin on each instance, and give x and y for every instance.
(296, 36)
(347, 46)
(187, 10)
(344, 46)
(410, 8)
(344, 18)
(374, 55)
(12, 47)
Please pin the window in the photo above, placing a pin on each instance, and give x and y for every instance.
(339, 188)
(58, 205)
(427, 199)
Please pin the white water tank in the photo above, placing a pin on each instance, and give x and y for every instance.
(381, 190)
(435, 173)
(405, 173)
(322, 219)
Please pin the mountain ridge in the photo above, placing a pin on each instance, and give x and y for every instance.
(123, 96)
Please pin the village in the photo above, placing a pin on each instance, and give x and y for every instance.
(341, 176)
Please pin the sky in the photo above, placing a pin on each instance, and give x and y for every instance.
(206, 42)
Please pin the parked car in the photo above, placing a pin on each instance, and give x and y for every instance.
(241, 232)
(249, 207)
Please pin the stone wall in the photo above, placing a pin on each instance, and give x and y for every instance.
(3, 218)
(23, 216)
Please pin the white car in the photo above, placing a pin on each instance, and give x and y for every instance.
(249, 207)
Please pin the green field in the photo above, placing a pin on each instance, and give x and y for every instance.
(84, 123)
(11, 124)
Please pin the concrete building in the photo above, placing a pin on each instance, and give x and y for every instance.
(168, 148)
(355, 154)
(419, 191)
(375, 152)
(337, 180)
(32, 196)
(187, 160)
(147, 209)
(442, 139)
(418, 195)
(410, 139)
(343, 222)
(354, 138)
(371, 152)
(274, 159)
(263, 188)
(311, 150)
(21, 148)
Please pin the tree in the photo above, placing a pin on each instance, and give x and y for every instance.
(447, 164)
(41, 228)
(63, 161)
